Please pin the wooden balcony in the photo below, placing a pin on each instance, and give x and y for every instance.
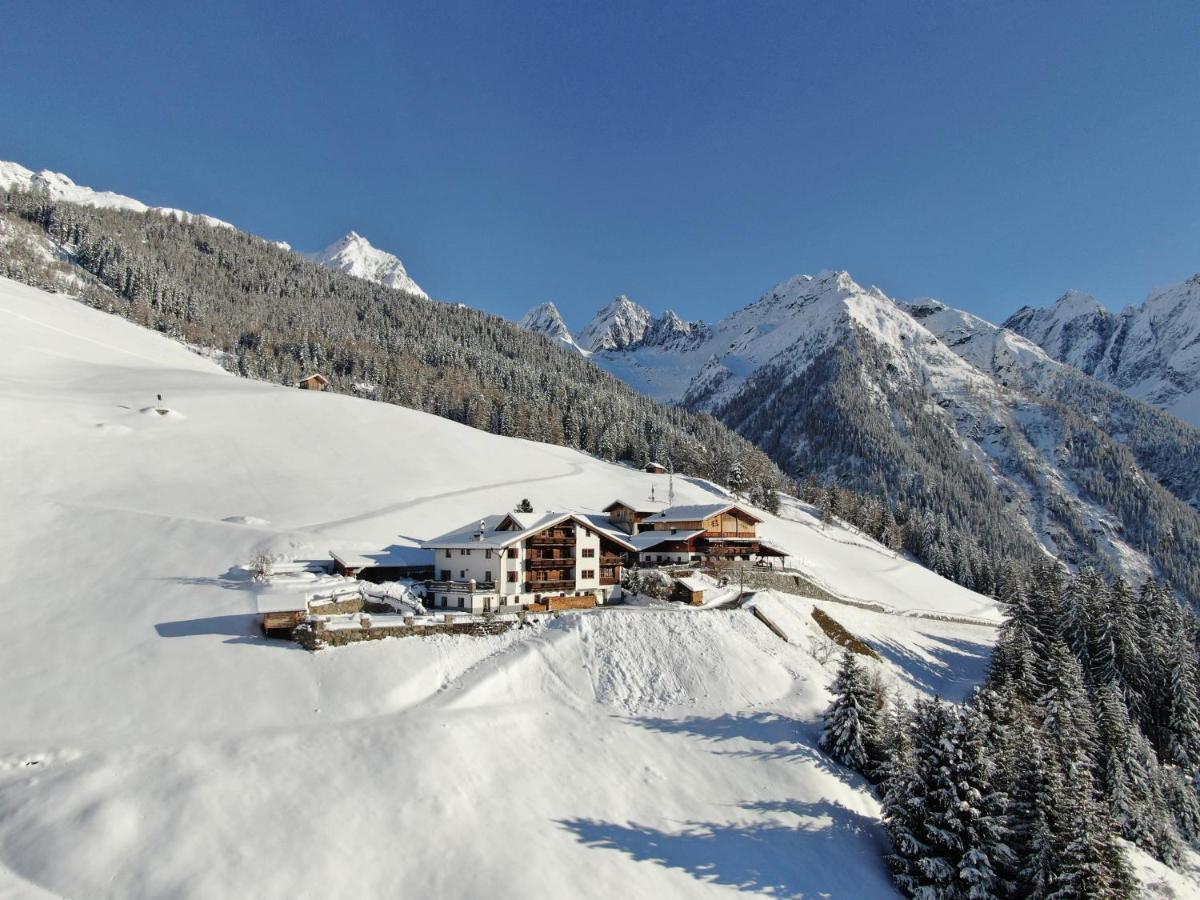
(566, 562)
(552, 540)
(611, 559)
(730, 534)
(609, 580)
(562, 585)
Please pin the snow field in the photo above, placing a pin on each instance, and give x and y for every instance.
(653, 752)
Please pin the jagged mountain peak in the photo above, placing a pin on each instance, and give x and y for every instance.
(355, 255)
(1150, 352)
(546, 319)
(618, 325)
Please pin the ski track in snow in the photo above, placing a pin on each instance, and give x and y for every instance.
(572, 470)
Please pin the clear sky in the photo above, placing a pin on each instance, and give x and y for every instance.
(690, 155)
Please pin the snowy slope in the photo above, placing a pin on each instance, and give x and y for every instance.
(354, 255)
(1151, 352)
(14, 176)
(155, 745)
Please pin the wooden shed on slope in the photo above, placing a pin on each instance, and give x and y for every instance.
(314, 382)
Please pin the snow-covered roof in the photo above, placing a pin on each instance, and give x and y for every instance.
(648, 539)
(697, 582)
(697, 512)
(352, 560)
(313, 375)
(281, 601)
(628, 505)
(490, 536)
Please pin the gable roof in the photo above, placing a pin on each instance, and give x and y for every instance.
(698, 512)
(628, 505)
(493, 537)
(648, 540)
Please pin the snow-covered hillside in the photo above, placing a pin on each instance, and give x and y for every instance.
(354, 255)
(155, 745)
(1151, 352)
(14, 176)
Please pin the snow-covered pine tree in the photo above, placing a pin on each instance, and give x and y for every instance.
(852, 719)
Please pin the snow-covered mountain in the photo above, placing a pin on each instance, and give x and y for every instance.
(1151, 352)
(14, 176)
(154, 706)
(546, 319)
(354, 255)
(619, 324)
(918, 401)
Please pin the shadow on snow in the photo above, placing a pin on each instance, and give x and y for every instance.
(820, 849)
(953, 668)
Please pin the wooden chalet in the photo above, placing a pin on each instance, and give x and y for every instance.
(684, 534)
(655, 468)
(628, 516)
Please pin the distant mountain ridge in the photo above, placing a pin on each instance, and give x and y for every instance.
(352, 254)
(1151, 352)
(620, 325)
(933, 408)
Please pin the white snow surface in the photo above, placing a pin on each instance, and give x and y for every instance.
(154, 744)
(354, 255)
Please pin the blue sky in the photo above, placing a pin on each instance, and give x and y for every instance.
(687, 154)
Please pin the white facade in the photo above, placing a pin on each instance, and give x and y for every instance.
(487, 568)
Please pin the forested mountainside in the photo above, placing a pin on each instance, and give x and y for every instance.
(1151, 352)
(1018, 457)
(278, 317)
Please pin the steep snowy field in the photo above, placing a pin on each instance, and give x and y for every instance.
(154, 745)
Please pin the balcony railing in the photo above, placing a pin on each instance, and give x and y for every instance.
(611, 559)
(730, 534)
(608, 580)
(566, 562)
(461, 586)
(551, 540)
(563, 585)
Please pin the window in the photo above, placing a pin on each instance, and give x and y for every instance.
(461, 603)
(588, 573)
(487, 577)
(589, 552)
(464, 552)
(444, 603)
(512, 576)
(447, 553)
(445, 574)
(512, 552)
(487, 554)
(462, 573)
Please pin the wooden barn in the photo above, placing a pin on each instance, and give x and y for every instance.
(314, 382)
